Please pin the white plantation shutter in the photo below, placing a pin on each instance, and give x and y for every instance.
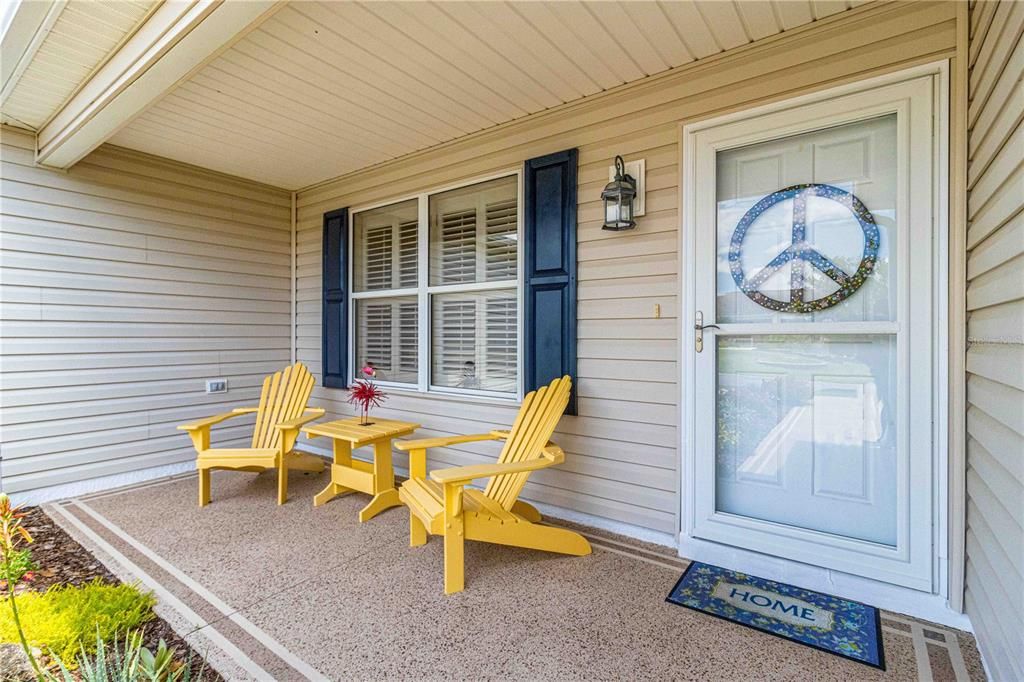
(472, 260)
(454, 340)
(476, 340)
(501, 357)
(377, 258)
(408, 339)
(385, 247)
(474, 233)
(474, 241)
(457, 247)
(375, 324)
(386, 255)
(387, 338)
(408, 253)
(383, 266)
(501, 245)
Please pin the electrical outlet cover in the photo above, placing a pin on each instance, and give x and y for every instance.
(216, 385)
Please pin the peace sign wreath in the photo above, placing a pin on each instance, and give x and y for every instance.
(799, 250)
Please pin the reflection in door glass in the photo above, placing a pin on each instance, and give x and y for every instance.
(806, 432)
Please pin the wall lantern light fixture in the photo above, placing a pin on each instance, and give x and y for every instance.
(618, 198)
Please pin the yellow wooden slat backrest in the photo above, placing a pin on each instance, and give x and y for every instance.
(532, 430)
(285, 395)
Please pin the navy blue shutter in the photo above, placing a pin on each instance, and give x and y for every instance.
(335, 308)
(549, 245)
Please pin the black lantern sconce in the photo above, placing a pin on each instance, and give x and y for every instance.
(618, 198)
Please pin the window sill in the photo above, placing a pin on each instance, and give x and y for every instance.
(511, 401)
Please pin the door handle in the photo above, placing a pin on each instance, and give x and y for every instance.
(699, 327)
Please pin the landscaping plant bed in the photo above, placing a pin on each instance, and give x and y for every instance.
(61, 561)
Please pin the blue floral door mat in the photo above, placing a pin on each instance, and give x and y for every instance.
(839, 626)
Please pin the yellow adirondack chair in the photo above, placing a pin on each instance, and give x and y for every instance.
(441, 505)
(279, 416)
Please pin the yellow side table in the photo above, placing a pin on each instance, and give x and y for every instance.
(351, 475)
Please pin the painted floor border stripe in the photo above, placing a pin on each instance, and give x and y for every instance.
(166, 597)
(924, 663)
(650, 557)
(636, 557)
(956, 657)
(639, 550)
(251, 628)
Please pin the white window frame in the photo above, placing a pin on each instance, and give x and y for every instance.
(424, 290)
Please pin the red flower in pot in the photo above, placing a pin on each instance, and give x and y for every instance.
(366, 394)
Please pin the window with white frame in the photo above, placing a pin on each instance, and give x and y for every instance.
(437, 276)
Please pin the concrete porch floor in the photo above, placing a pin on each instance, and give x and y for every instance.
(294, 592)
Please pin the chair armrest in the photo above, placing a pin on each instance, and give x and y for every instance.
(456, 475)
(550, 455)
(310, 414)
(209, 421)
(289, 429)
(199, 431)
(423, 444)
(245, 410)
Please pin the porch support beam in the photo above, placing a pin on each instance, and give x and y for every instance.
(29, 26)
(179, 38)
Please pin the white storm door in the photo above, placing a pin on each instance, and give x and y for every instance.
(813, 389)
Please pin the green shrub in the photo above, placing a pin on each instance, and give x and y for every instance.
(131, 662)
(65, 619)
(18, 565)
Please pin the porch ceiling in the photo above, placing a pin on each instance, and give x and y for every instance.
(321, 89)
(74, 39)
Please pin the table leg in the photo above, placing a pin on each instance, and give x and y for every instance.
(383, 472)
(384, 494)
(329, 493)
(380, 502)
(343, 456)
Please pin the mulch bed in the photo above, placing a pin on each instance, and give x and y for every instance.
(62, 561)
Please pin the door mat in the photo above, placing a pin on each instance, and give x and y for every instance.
(839, 626)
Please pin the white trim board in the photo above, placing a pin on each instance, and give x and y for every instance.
(293, 334)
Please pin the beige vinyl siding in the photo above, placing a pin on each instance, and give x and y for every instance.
(623, 448)
(126, 282)
(994, 596)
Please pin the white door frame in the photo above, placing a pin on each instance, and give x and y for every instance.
(933, 578)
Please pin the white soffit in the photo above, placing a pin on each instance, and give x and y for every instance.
(321, 89)
(67, 52)
(176, 40)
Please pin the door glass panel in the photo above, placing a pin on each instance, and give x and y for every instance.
(806, 232)
(847, 164)
(806, 432)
